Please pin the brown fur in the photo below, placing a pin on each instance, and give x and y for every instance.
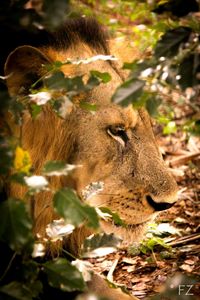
(130, 172)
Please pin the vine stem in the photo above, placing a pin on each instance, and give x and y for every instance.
(8, 266)
(70, 254)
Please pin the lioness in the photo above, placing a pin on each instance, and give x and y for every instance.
(114, 145)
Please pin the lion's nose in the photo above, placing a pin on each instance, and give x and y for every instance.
(158, 206)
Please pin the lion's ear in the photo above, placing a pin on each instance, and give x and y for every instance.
(23, 67)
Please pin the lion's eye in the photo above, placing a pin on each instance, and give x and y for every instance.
(118, 133)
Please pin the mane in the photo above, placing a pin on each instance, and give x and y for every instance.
(85, 30)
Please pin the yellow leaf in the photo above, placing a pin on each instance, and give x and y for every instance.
(22, 161)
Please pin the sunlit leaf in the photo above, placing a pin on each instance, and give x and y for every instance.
(36, 183)
(22, 161)
(105, 77)
(93, 59)
(58, 229)
(154, 241)
(40, 98)
(57, 168)
(100, 245)
(88, 106)
(85, 267)
(38, 250)
(35, 110)
(170, 128)
(116, 218)
(166, 228)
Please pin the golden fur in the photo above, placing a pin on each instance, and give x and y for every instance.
(132, 172)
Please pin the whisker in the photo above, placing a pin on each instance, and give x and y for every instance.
(107, 194)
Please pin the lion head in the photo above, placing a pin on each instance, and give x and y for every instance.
(114, 145)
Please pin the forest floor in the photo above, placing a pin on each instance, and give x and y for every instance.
(165, 273)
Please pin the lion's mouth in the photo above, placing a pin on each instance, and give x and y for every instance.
(128, 226)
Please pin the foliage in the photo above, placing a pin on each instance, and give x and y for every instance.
(68, 206)
(153, 241)
(15, 225)
(61, 274)
(171, 62)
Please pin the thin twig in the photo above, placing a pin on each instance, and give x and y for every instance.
(112, 269)
(183, 159)
(185, 239)
(8, 266)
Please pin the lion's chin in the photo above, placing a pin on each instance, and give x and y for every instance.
(129, 235)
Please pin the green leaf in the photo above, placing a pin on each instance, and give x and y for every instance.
(116, 218)
(170, 128)
(35, 110)
(130, 66)
(134, 250)
(17, 108)
(18, 178)
(150, 243)
(75, 84)
(92, 82)
(152, 105)
(128, 92)
(62, 275)
(105, 77)
(137, 67)
(100, 245)
(30, 270)
(188, 70)
(58, 81)
(68, 206)
(16, 225)
(154, 241)
(20, 291)
(170, 42)
(57, 168)
(166, 254)
(193, 127)
(55, 81)
(6, 155)
(57, 64)
(88, 106)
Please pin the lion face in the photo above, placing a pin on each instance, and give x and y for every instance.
(117, 147)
